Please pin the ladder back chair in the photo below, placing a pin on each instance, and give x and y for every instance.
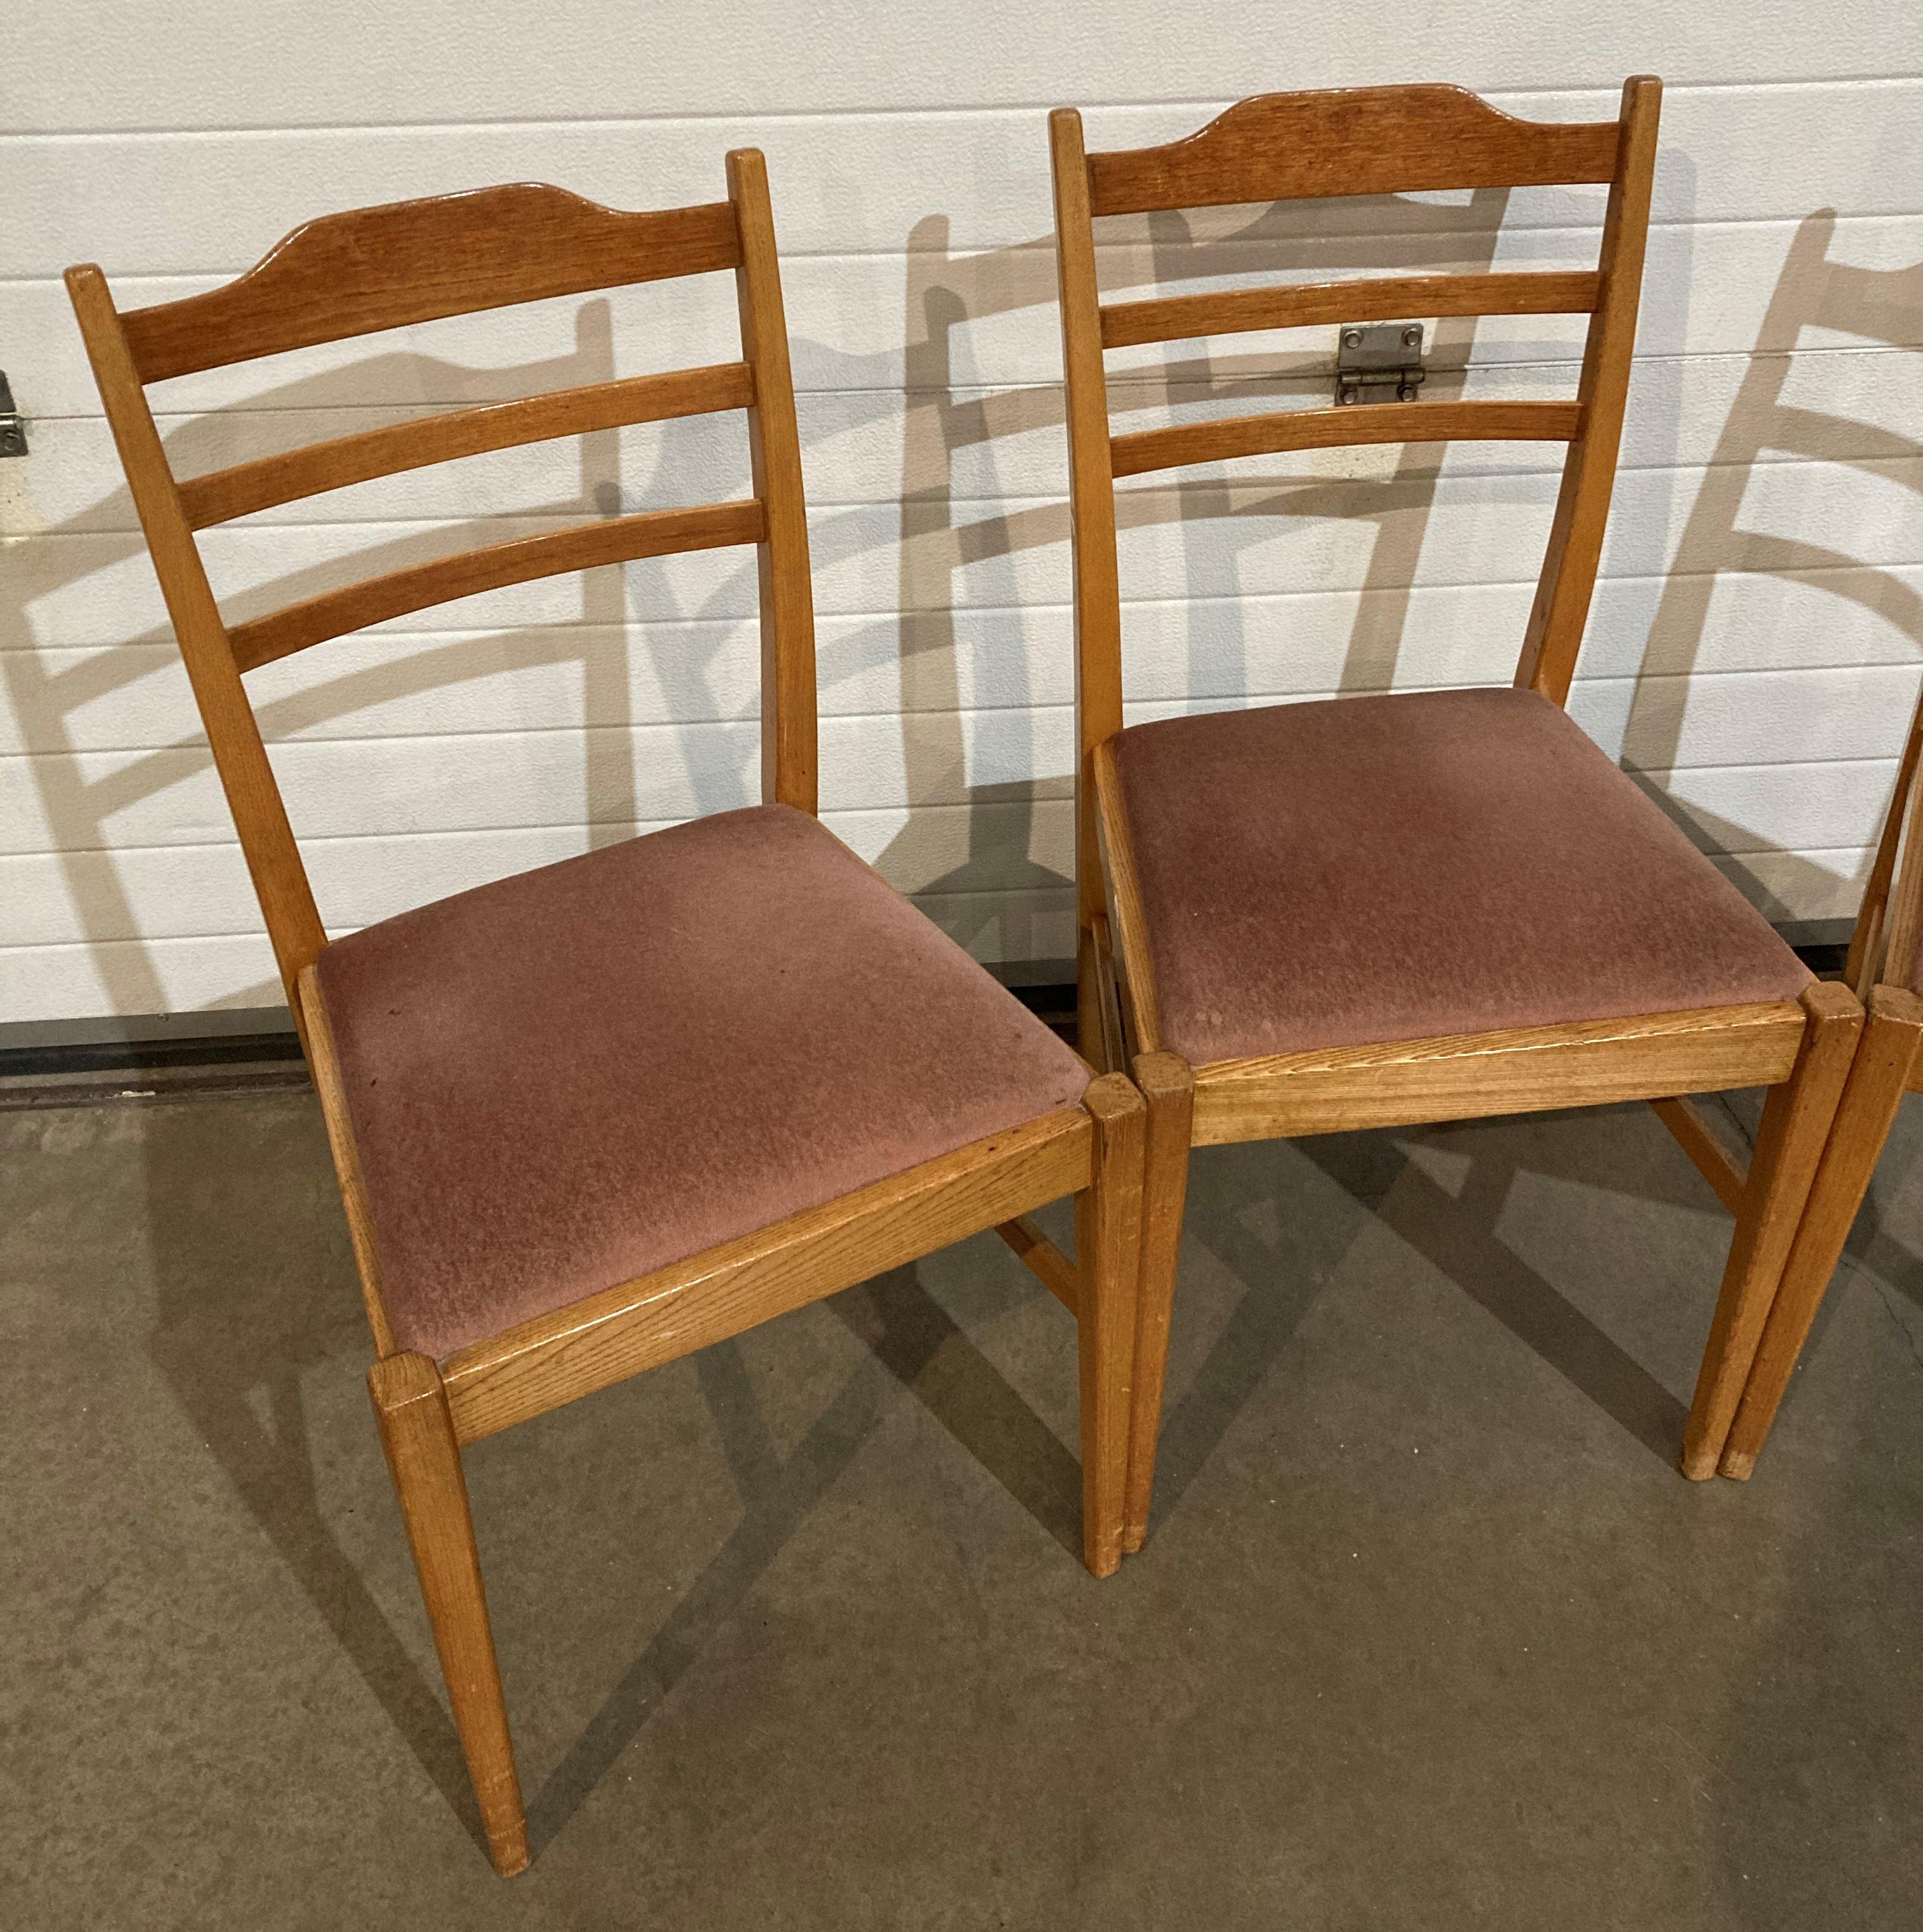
(591, 1118)
(1378, 910)
(1885, 967)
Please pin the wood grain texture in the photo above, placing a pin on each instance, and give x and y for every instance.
(1108, 1236)
(1722, 1164)
(1224, 438)
(246, 779)
(1043, 1259)
(324, 1061)
(1167, 1085)
(1468, 1076)
(224, 494)
(789, 757)
(1346, 141)
(417, 1433)
(521, 560)
(1091, 484)
(1554, 635)
(1135, 965)
(607, 1337)
(1362, 298)
(1796, 1121)
(409, 262)
(1889, 1060)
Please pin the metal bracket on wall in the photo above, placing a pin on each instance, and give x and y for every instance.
(1379, 362)
(13, 428)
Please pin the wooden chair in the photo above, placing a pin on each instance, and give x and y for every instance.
(1885, 966)
(1373, 911)
(591, 1118)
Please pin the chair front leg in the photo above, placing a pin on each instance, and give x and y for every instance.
(1796, 1121)
(1886, 1063)
(1167, 1085)
(417, 1432)
(1108, 1243)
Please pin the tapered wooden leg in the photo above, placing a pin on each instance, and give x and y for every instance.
(1108, 1242)
(1796, 1121)
(1168, 1086)
(417, 1432)
(1886, 1062)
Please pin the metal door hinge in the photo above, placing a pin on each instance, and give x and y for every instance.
(13, 428)
(1379, 362)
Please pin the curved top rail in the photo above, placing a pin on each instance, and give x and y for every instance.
(1352, 140)
(418, 261)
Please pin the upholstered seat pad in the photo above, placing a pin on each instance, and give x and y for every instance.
(1354, 870)
(567, 1079)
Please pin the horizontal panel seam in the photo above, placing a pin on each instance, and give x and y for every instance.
(1603, 101)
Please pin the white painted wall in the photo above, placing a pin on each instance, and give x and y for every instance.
(1755, 643)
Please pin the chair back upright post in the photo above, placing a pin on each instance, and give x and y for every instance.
(1561, 611)
(1889, 937)
(374, 269)
(1098, 608)
(1381, 140)
(790, 761)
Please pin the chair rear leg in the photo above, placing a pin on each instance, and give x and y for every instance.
(1167, 1085)
(1796, 1121)
(417, 1432)
(1886, 1063)
(1108, 1243)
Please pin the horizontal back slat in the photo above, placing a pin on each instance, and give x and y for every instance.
(1344, 141)
(1366, 299)
(418, 261)
(582, 546)
(223, 494)
(1230, 436)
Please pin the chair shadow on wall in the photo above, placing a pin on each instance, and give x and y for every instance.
(1880, 306)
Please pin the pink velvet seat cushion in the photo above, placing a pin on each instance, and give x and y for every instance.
(565, 1080)
(1367, 869)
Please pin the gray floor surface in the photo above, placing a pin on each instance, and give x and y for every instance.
(1429, 1632)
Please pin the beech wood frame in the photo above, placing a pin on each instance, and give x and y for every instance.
(372, 268)
(1374, 141)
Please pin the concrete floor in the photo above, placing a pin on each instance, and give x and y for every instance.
(1428, 1633)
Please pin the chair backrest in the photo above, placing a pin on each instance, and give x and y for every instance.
(383, 268)
(1372, 140)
